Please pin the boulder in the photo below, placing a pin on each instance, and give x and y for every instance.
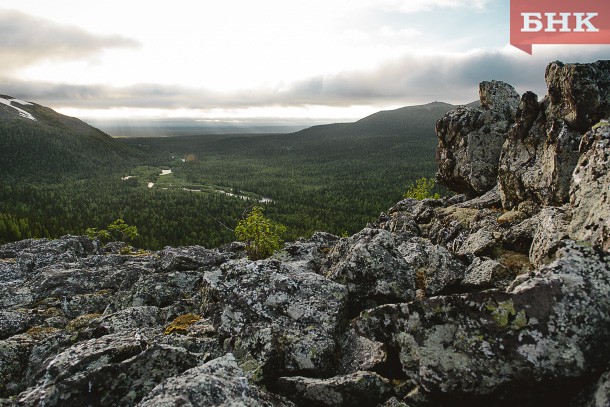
(372, 269)
(550, 330)
(359, 389)
(276, 320)
(590, 190)
(219, 382)
(542, 149)
(470, 140)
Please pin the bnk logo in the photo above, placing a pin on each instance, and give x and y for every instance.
(559, 22)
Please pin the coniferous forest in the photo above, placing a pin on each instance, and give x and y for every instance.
(61, 176)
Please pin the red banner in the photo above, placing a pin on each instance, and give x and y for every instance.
(559, 22)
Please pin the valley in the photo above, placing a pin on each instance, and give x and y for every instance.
(334, 178)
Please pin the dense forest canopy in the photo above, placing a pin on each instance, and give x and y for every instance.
(62, 176)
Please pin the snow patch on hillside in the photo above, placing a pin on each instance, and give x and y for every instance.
(22, 112)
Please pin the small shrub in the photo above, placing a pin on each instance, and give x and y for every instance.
(261, 235)
(117, 230)
(422, 189)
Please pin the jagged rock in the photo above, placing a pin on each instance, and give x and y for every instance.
(14, 322)
(551, 329)
(436, 269)
(470, 140)
(276, 320)
(590, 191)
(112, 370)
(551, 229)
(406, 217)
(359, 353)
(357, 389)
(486, 273)
(189, 258)
(372, 268)
(310, 254)
(480, 242)
(579, 92)
(541, 150)
(219, 382)
(490, 199)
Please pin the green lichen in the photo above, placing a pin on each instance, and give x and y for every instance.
(505, 315)
(181, 324)
(602, 123)
(40, 332)
(81, 322)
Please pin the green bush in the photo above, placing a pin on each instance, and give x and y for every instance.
(117, 231)
(261, 235)
(422, 189)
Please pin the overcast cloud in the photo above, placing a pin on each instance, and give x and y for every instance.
(25, 40)
(402, 54)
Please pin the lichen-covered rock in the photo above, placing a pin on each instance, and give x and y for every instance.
(275, 319)
(436, 269)
(359, 389)
(219, 382)
(189, 258)
(360, 353)
(579, 92)
(542, 149)
(551, 228)
(470, 140)
(372, 268)
(486, 273)
(553, 326)
(590, 191)
(112, 370)
(309, 254)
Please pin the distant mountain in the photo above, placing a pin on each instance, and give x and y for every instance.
(37, 142)
(405, 120)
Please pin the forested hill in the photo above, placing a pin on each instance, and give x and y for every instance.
(37, 142)
(415, 120)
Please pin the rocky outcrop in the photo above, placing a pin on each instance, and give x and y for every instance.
(542, 149)
(590, 192)
(470, 140)
(455, 301)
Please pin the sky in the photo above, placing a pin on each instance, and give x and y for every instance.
(264, 59)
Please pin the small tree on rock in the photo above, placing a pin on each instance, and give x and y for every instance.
(261, 235)
(422, 189)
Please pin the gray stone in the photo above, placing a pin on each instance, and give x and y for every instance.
(219, 382)
(275, 320)
(486, 273)
(372, 268)
(470, 140)
(551, 228)
(360, 389)
(542, 149)
(553, 326)
(590, 191)
(437, 270)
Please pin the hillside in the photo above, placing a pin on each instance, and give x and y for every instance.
(495, 297)
(409, 120)
(39, 143)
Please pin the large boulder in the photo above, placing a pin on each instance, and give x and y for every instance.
(551, 329)
(470, 140)
(372, 268)
(275, 320)
(542, 149)
(590, 192)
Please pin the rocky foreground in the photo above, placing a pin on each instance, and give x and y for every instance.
(498, 296)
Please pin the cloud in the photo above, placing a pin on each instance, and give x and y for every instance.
(25, 40)
(410, 79)
(413, 6)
